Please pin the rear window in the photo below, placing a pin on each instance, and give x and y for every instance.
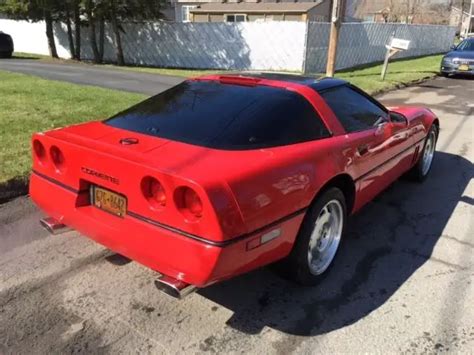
(223, 116)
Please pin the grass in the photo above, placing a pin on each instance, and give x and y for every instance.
(399, 73)
(29, 104)
(22, 55)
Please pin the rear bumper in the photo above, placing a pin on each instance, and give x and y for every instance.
(169, 252)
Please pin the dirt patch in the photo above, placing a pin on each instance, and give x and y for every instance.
(13, 188)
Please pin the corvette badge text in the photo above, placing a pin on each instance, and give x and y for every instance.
(100, 175)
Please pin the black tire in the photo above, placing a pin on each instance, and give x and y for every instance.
(6, 54)
(446, 75)
(296, 266)
(417, 173)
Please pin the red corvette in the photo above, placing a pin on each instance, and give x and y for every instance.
(220, 175)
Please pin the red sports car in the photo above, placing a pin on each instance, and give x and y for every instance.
(223, 174)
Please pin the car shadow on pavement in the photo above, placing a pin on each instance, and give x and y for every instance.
(386, 243)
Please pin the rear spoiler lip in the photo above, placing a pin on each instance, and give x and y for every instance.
(219, 244)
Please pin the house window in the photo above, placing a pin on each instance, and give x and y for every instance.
(369, 18)
(185, 15)
(235, 18)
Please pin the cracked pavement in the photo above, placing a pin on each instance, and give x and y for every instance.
(402, 282)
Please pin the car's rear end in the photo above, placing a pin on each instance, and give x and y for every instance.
(6, 45)
(118, 198)
(192, 212)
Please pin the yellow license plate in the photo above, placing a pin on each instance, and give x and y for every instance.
(109, 201)
(464, 67)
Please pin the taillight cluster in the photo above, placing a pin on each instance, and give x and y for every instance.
(153, 192)
(55, 156)
(186, 200)
(40, 151)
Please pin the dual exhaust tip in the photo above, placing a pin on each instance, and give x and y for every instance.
(169, 285)
(53, 226)
(173, 287)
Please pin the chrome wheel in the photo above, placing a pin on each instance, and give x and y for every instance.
(325, 237)
(428, 153)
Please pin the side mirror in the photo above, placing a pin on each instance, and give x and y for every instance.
(398, 119)
(454, 46)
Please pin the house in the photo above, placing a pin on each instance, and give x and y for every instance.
(403, 11)
(366, 10)
(182, 8)
(252, 10)
(463, 18)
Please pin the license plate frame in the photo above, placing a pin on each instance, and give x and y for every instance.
(108, 201)
(463, 67)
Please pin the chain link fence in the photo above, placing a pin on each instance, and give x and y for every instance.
(362, 43)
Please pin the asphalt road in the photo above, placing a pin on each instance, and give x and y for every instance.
(85, 74)
(403, 281)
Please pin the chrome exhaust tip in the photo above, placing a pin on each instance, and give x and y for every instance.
(53, 226)
(173, 287)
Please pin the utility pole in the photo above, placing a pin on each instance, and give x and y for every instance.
(469, 24)
(461, 17)
(338, 11)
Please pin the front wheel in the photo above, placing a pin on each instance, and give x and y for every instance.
(318, 241)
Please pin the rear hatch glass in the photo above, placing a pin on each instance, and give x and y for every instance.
(224, 116)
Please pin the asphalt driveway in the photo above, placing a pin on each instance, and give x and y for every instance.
(403, 281)
(85, 74)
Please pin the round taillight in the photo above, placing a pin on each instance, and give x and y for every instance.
(57, 157)
(188, 202)
(39, 151)
(153, 192)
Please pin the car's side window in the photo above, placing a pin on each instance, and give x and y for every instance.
(355, 111)
(287, 119)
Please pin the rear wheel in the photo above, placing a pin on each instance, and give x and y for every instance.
(318, 240)
(422, 168)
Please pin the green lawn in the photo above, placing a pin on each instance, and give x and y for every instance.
(29, 104)
(400, 72)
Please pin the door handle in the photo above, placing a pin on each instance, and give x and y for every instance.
(363, 149)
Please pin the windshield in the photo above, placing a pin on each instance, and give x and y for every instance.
(223, 116)
(466, 45)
